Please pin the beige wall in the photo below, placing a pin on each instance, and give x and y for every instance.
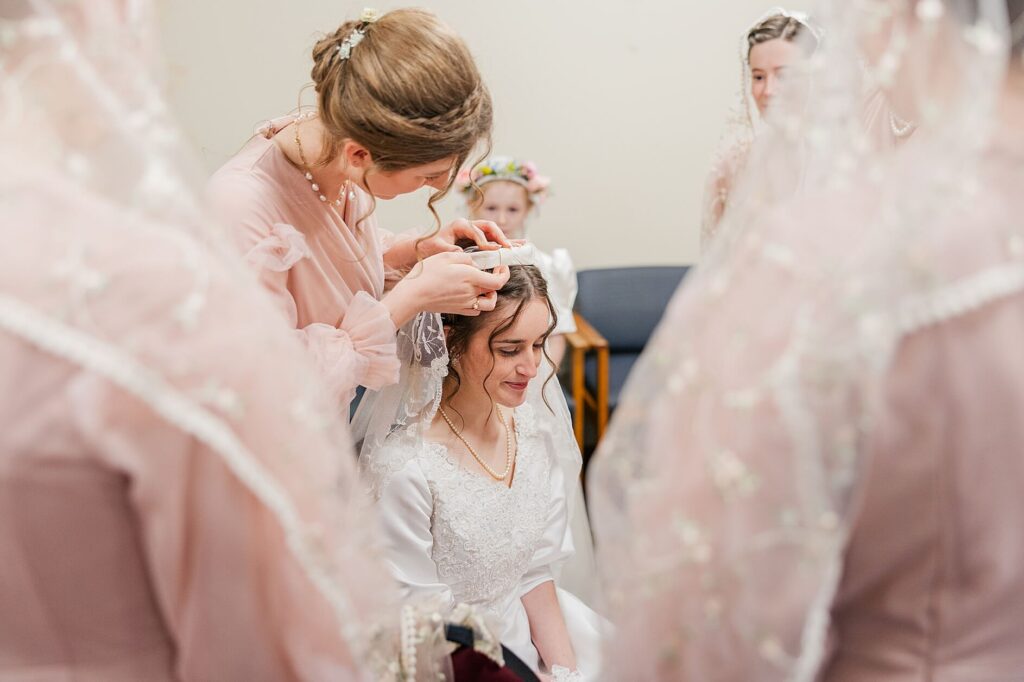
(620, 103)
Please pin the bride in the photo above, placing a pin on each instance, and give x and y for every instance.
(475, 470)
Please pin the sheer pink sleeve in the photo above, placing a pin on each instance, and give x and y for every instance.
(387, 240)
(360, 350)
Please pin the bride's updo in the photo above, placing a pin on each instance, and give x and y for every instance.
(525, 284)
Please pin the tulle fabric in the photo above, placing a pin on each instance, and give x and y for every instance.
(177, 499)
(322, 265)
(776, 497)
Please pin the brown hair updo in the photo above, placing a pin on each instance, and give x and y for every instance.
(409, 92)
(775, 27)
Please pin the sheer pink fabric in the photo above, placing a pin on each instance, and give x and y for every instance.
(929, 584)
(323, 267)
(814, 472)
(172, 505)
(133, 547)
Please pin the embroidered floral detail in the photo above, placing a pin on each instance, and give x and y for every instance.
(485, 533)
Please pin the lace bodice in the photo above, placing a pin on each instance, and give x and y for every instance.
(456, 533)
(485, 533)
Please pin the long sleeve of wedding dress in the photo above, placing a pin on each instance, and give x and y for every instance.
(405, 507)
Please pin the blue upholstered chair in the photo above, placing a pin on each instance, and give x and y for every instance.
(617, 309)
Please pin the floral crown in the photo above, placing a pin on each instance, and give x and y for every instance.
(504, 168)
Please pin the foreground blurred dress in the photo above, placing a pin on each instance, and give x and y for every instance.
(172, 505)
(816, 471)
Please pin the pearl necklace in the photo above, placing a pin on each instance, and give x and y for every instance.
(481, 462)
(901, 127)
(309, 175)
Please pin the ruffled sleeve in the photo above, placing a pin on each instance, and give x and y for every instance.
(405, 507)
(360, 350)
(386, 240)
(280, 250)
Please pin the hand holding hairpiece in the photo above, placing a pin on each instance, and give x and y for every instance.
(524, 254)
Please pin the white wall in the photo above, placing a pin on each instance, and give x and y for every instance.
(620, 103)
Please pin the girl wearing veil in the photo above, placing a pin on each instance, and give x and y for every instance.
(815, 473)
(166, 513)
(474, 466)
(767, 49)
(400, 106)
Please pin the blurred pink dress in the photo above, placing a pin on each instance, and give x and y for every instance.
(817, 470)
(324, 267)
(151, 500)
(173, 505)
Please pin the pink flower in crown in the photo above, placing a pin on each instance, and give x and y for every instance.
(464, 180)
(537, 186)
(529, 170)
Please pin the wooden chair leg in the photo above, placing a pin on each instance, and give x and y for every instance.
(602, 391)
(578, 395)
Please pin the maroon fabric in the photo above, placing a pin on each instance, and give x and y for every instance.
(471, 666)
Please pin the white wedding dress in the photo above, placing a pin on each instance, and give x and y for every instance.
(455, 535)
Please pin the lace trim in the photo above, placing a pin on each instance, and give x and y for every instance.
(93, 354)
(961, 297)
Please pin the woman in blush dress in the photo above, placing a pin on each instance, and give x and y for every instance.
(815, 473)
(400, 106)
(166, 512)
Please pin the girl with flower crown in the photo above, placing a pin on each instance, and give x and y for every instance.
(299, 196)
(504, 191)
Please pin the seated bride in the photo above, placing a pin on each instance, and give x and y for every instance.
(475, 470)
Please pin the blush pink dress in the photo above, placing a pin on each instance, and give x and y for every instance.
(814, 479)
(166, 512)
(322, 264)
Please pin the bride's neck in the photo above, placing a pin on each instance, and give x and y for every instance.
(475, 407)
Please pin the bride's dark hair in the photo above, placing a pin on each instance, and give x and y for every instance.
(525, 284)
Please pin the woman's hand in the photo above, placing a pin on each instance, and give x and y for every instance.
(445, 283)
(483, 233)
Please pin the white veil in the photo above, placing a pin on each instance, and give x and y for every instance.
(724, 490)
